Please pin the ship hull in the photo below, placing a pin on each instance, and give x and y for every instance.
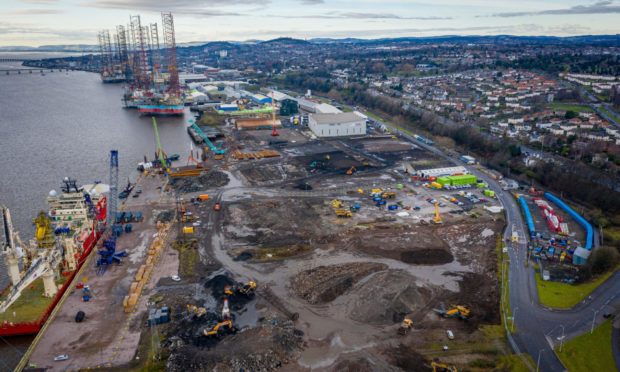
(32, 328)
(161, 109)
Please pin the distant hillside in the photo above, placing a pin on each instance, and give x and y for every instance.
(286, 40)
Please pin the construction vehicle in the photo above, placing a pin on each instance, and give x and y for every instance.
(375, 192)
(388, 195)
(455, 311)
(196, 311)
(441, 367)
(246, 289)
(336, 203)
(343, 213)
(219, 329)
(405, 326)
(351, 170)
(360, 191)
(437, 219)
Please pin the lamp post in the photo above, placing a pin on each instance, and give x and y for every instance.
(538, 362)
(562, 339)
(593, 319)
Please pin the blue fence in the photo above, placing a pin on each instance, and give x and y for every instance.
(528, 216)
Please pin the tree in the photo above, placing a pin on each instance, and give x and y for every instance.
(570, 114)
(603, 259)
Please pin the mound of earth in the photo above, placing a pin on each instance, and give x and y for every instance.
(408, 359)
(427, 256)
(394, 294)
(203, 182)
(325, 283)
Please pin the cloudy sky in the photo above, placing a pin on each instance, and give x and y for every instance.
(42, 22)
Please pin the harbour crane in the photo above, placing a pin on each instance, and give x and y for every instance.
(108, 255)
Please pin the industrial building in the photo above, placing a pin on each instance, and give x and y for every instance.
(438, 172)
(336, 125)
(317, 108)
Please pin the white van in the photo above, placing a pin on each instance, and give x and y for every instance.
(450, 334)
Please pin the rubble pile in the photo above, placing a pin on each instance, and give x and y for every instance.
(205, 181)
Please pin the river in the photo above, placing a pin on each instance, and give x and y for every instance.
(64, 124)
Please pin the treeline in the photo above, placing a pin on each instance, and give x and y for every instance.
(575, 63)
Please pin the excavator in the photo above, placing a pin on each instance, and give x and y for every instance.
(246, 289)
(388, 195)
(442, 367)
(405, 326)
(198, 312)
(455, 311)
(437, 219)
(336, 203)
(351, 170)
(219, 329)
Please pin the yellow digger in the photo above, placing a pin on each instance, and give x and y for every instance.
(219, 329)
(336, 203)
(246, 289)
(388, 195)
(405, 326)
(437, 218)
(442, 367)
(455, 311)
(196, 311)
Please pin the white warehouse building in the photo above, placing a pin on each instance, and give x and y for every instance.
(337, 125)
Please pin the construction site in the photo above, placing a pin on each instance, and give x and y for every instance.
(271, 249)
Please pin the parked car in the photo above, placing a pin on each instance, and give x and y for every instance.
(61, 357)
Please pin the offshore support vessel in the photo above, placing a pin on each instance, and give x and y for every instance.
(40, 272)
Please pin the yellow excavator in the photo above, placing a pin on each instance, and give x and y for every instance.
(455, 311)
(388, 195)
(442, 367)
(336, 203)
(246, 289)
(437, 219)
(405, 326)
(219, 329)
(344, 213)
(196, 311)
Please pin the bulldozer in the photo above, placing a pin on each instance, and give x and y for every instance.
(405, 326)
(442, 367)
(198, 312)
(455, 311)
(219, 329)
(343, 213)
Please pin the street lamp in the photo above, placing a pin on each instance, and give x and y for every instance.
(562, 339)
(514, 312)
(593, 319)
(538, 362)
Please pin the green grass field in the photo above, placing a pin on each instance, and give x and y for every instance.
(29, 306)
(570, 107)
(565, 296)
(589, 352)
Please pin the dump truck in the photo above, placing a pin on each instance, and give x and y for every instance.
(343, 213)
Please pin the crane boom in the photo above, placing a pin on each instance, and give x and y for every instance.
(159, 152)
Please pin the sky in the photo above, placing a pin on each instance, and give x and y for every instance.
(46, 22)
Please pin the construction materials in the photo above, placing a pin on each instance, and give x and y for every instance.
(255, 155)
(528, 215)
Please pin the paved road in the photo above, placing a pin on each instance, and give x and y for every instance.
(539, 329)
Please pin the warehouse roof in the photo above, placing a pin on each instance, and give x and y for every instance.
(341, 118)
